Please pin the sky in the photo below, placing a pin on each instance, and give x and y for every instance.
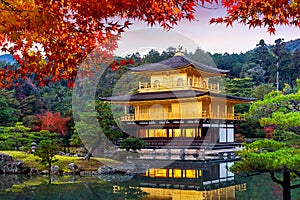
(214, 38)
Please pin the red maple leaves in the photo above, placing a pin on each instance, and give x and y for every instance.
(267, 13)
(53, 37)
(53, 122)
(116, 63)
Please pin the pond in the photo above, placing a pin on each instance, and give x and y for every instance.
(178, 181)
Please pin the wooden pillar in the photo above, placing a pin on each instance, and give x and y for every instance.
(182, 132)
(200, 108)
(200, 131)
(210, 110)
(218, 110)
(137, 112)
(194, 80)
(226, 114)
(172, 131)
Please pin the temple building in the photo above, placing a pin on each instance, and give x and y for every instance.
(181, 105)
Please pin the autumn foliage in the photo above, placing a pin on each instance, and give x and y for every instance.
(50, 38)
(53, 122)
(267, 13)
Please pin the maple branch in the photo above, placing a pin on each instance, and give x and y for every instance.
(274, 179)
(296, 172)
(291, 105)
(210, 8)
(295, 130)
(54, 39)
(5, 3)
(295, 186)
(295, 106)
(248, 174)
(11, 8)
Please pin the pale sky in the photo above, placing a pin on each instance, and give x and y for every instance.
(212, 38)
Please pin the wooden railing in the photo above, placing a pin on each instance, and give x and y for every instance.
(147, 86)
(196, 142)
(172, 116)
(128, 118)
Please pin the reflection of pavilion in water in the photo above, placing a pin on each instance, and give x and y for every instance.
(190, 181)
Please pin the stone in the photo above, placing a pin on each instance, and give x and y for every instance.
(34, 171)
(89, 173)
(44, 172)
(120, 155)
(54, 169)
(142, 167)
(106, 170)
(73, 167)
(33, 147)
(9, 166)
(5, 158)
(127, 167)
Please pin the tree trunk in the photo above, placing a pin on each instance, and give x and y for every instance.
(49, 173)
(17, 144)
(91, 150)
(87, 156)
(286, 187)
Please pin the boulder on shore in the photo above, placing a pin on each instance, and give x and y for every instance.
(126, 167)
(106, 170)
(10, 166)
(73, 167)
(54, 169)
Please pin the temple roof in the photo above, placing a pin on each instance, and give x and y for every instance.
(176, 62)
(171, 95)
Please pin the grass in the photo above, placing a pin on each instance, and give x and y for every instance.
(62, 162)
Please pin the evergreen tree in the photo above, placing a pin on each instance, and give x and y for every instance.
(9, 111)
(278, 160)
(264, 59)
(282, 62)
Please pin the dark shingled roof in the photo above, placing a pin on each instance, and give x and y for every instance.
(176, 62)
(170, 95)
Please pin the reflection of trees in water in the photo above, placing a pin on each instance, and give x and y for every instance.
(7, 181)
(70, 188)
(117, 187)
(261, 186)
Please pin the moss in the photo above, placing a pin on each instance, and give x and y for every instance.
(62, 161)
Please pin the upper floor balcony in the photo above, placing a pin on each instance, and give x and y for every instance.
(176, 116)
(177, 85)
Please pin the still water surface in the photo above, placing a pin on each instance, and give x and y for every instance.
(175, 182)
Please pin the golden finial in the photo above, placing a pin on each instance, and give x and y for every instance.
(179, 51)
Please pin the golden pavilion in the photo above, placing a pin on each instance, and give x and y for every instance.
(181, 101)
